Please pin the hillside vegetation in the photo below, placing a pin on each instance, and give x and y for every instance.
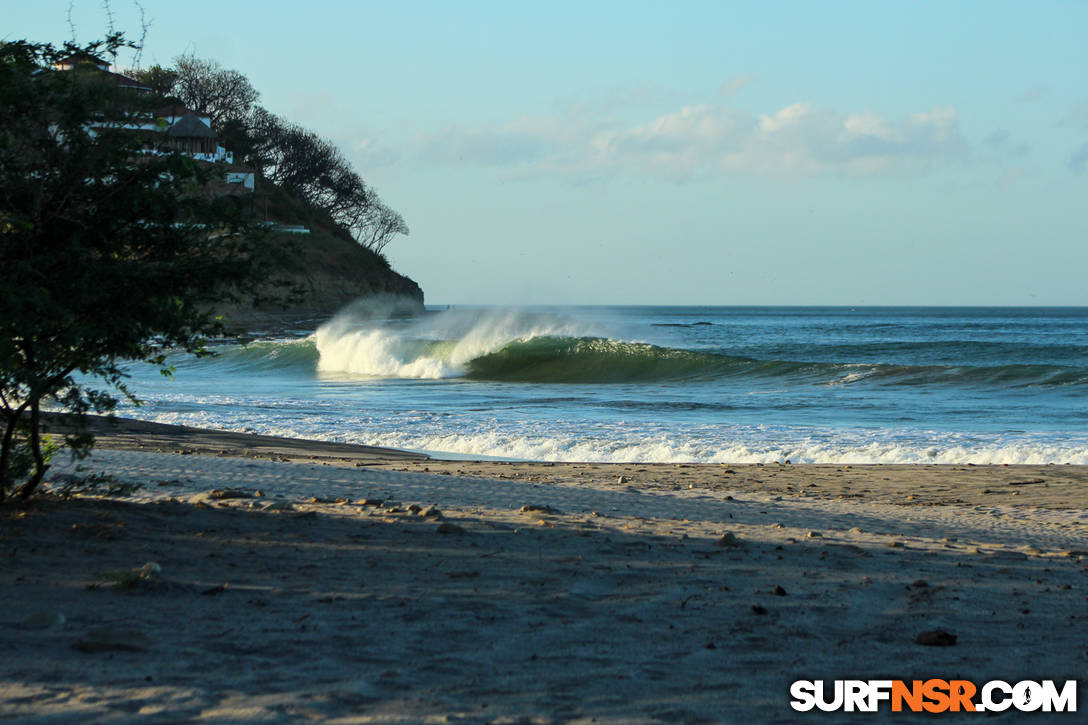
(327, 265)
(302, 180)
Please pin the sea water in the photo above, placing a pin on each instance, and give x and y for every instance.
(709, 384)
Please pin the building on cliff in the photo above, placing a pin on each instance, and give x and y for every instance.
(173, 127)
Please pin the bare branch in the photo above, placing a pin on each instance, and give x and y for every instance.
(109, 17)
(208, 88)
(71, 23)
(145, 25)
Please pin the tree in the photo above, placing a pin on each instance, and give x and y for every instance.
(207, 88)
(160, 80)
(294, 158)
(112, 250)
(377, 226)
(314, 169)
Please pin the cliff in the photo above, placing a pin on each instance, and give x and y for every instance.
(332, 271)
(329, 267)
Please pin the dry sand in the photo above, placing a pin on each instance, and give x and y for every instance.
(360, 585)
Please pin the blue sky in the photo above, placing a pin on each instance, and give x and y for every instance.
(681, 152)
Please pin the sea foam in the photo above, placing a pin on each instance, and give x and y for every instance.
(622, 443)
(435, 346)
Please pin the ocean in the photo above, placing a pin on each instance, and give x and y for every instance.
(657, 384)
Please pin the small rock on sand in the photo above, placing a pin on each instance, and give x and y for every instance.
(222, 494)
(149, 570)
(114, 640)
(936, 638)
(448, 529)
(45, 620)
(540, 509)
(729, 540)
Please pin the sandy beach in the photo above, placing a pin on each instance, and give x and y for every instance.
(253, 579)
(499, 364)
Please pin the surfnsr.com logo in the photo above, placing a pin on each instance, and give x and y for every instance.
(934, 696)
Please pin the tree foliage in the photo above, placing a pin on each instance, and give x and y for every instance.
(112, 251)
(298, 160)
(160, 80)
(376, 225)
(207, 88)
(316, 171)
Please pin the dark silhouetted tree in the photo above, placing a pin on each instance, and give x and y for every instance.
(377, 226)
(310, 167)
(314, 169)
(160, 80)
(110, 252)
(206, 87)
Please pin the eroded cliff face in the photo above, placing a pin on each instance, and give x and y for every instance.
(327, 291)
(328, 273)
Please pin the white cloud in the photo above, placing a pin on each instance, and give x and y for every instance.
(802, 140)
(680, 142)
(871, 125)
(697, 139)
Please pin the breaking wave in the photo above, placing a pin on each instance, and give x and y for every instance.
(654, 384)
(534, 347)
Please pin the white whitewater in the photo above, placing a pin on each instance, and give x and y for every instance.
(359, 342)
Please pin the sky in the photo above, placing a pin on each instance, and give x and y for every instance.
(686, 153)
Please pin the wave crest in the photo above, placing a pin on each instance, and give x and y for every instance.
(542, 347)
(592, 360)
(442, 345)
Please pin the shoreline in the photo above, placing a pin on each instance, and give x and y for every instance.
(1052, 486)
(251, 582)
(133, 434)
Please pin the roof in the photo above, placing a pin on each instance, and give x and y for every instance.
(126, 82)
(82, 58)
(189, 126)
(98, 68)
